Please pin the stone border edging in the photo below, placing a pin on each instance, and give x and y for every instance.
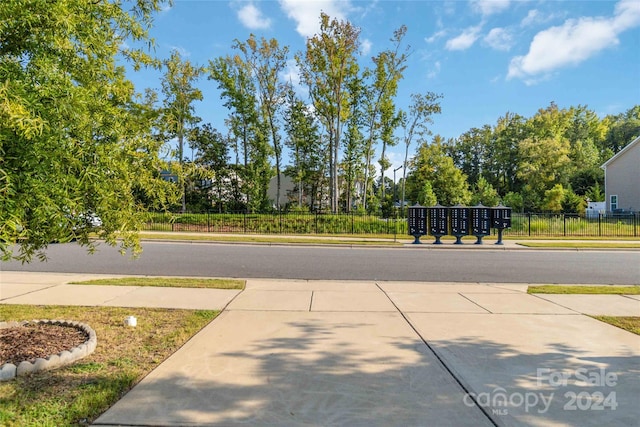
(9, 371)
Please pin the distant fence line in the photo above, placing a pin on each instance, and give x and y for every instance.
(522, 224)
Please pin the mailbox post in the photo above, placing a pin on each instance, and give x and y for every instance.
(480, 222)
(459, 217)
(438, 222)
(500, 219)
(417, 219)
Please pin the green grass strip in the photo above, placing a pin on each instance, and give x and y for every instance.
(631, 324)
(585, 290)
(329, 240)
(582, 245)
(168, 282)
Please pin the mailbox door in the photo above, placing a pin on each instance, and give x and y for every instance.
(480, 221)
(501, 217)
(459, 217)
(417, 221)
(438, 221)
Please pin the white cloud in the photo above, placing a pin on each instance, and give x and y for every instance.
(490, 7)
(435, 71)
(366, 45)
(465, 40)
(574, 42)
(252, 18)
(436, 36)
(627, 15)
(533, 17)
(306, 13)
(184, 53)
(499, 39)
(291, 75)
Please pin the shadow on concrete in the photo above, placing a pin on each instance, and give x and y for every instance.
(319, 375)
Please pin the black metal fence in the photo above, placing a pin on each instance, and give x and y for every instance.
(277, 223)
(522, 224)
(573, 225)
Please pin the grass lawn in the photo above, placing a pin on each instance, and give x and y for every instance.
(174, 282)
(328, 240)
(582, 245)
(591, 290)
(79, 393)
(631, 324)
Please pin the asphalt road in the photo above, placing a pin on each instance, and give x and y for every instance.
(408, 263)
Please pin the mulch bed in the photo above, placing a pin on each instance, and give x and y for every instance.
(35, 340)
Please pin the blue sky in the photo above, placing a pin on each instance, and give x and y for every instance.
(486, 57)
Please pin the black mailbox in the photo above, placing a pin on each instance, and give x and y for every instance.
(500, 219)
(417, 219)
(459, 217)
(438, 222)
(480, 222)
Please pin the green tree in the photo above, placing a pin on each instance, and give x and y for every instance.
(303, 139)
(381, 110)
(542, 161)
(356, 148)
(470, 151)
(267, 59)
(514, 201)
(483, 192)
(414, 124)
(623, 128)
(248, 132)
(212, 156)
(553, 198)
(70, 140)
(326, 66)
(426, 196)
(501, 171)
(432, 164)
(178, 116)
(595, 193)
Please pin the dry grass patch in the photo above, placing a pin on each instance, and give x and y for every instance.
(79, 393)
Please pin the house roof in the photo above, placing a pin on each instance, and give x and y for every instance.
(621, 152)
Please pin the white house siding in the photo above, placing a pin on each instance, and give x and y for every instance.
(622, 177)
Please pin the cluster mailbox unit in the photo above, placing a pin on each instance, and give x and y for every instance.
(458, 221)
(417, 219)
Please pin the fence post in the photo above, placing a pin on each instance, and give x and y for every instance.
(635, 223)
(529, 216)
(564, 225)
(316, 221)
(352, 226)
(599, 224)
(395, 225)
(244, 222)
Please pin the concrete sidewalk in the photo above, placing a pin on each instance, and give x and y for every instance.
(380, 353)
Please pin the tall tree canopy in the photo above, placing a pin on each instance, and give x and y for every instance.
(327, 66)
(72, 141)
(178, 112)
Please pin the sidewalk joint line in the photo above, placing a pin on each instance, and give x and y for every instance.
(473, 302)
(441, 360)
(553, 302)
(31, 292)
